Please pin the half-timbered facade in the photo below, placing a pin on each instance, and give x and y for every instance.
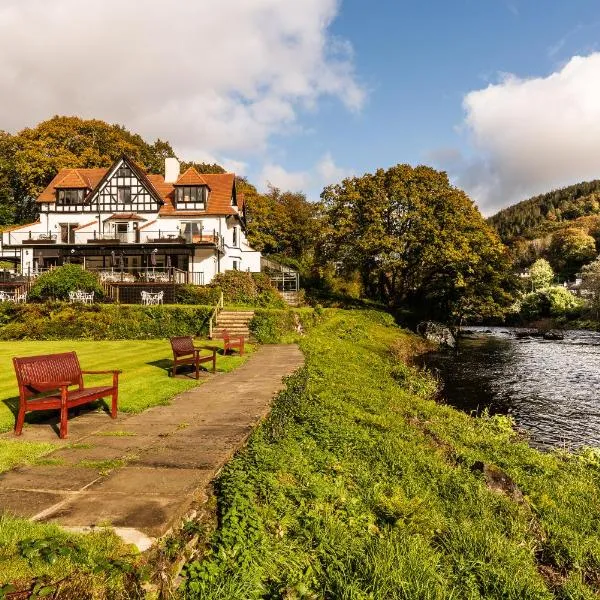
(122, 217)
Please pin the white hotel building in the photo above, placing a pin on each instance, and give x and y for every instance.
(192, 224)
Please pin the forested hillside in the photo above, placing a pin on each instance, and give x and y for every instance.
(545, 213)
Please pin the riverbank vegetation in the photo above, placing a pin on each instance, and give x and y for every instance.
(360, 485)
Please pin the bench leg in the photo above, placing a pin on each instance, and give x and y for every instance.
(64, 414)
(214, 370)
(113, 409)
(197, 367)
(20, 420)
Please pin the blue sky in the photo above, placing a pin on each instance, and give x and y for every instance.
(418, 60)
(503, 94)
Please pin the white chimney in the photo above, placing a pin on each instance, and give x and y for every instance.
(171, 170)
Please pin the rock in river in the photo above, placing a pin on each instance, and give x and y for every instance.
(436, 333)
(554, 334)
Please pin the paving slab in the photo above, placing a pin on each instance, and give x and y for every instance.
(160, 470)
(48, 477)
(27, 504)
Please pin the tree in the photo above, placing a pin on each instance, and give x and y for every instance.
(203, 167)
(282, 223)
(417, 241)
(541, 274)
(590, 282)
(570, 249)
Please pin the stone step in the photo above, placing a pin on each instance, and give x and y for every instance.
(233, 318)
(233, 321)
(218, 334)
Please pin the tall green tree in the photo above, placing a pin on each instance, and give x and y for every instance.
(283, 223)
(416, 240)
(570, 249)
(541, 274)
(590, 282)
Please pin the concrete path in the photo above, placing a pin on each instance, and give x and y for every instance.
(141, 473)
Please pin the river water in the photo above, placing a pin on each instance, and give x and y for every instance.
(550, 388)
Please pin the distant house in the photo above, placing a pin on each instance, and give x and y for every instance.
(192, 224)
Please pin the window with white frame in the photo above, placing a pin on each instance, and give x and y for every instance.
(69, 197)
(191, 196)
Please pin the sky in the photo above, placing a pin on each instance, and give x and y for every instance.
(504, 95)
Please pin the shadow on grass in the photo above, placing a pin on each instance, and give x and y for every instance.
(52, 417)
(183, 371)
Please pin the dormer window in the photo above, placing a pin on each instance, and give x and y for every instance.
(193, 197)
(70, 197)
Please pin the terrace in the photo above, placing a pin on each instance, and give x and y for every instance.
(72, 237)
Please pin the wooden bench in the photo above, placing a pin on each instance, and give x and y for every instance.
(185, 353)
(229, 345)
(44, 383)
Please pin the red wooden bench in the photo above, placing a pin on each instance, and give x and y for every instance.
(185, 353)
(44, 383)
(229, 345)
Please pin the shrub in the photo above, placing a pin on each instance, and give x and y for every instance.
(553, 301)
(57, 284)
(270, 326)
(250, 289)
(196, 294)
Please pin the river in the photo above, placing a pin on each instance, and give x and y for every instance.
(550, 388)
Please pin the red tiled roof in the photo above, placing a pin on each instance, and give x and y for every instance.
(72, 179)
(147, 224)
(126, 217)
(86, 225)
(221, 186)
(191, 177)
(219, 197)
(15, 227)
(89, 178)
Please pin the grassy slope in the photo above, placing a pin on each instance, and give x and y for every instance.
(359, 486)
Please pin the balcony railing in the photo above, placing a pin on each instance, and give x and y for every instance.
(15, 238)
(209, 238)
(141, 275)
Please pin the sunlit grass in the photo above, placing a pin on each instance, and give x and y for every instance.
(145, 380)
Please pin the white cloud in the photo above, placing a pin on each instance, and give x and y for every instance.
(278, 176)
(213, 77)
(532, 135)
(311, 181)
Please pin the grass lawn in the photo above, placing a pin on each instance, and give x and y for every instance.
(143, 383)
(361, 486)
(97, 563)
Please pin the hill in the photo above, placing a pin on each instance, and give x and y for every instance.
(543, 214)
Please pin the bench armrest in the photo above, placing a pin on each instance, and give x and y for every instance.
(101, 372)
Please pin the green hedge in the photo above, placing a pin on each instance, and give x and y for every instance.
(57, 320)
